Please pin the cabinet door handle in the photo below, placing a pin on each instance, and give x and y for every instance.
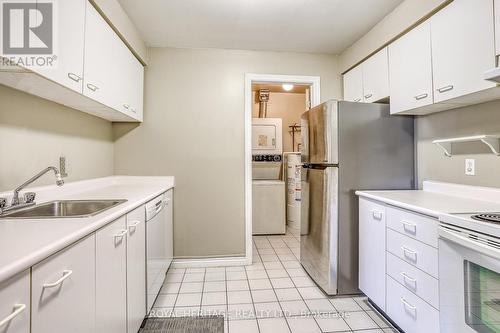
(407, 278)
(357, 100)
(410, 254)
(92, 87)
(66, 274)
(445, 89)
(119, 237)
(377, 215)
(409, 227)
(133, 110)
(368, 96)
(18, 308)
(126, 106)
(133, 226)
(408, 305)
(421, 96)
(74, 77)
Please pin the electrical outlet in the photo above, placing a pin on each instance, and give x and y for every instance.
(470, 167)
(63, 166)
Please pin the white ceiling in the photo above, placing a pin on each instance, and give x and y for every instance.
(319, 26)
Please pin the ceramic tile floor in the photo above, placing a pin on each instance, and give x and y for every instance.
(273, 295)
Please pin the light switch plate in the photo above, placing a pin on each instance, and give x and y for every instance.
(470, 167)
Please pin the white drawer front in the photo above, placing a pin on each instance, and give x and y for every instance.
(410, 312)
(15, 304)
(413, 225)
(415, 280)
(413, 252)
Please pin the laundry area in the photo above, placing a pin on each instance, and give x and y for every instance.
(276, 161)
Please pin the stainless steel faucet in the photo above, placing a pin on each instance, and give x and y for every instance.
(59, 182)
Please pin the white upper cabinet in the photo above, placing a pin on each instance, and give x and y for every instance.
(94, 72)
(70, 40)
(113, 75)
(463, 48)
(376, 77)
(101, 68)
(369, 81)
(410, 70)
(137, 84)
(353, 85)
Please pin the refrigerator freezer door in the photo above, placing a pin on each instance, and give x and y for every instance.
(319, 226)
(320, 134)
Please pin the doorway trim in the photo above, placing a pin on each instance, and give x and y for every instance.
(315, 83)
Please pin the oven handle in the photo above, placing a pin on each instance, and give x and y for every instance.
(455, 237)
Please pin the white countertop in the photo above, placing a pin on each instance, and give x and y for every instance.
(437, 199)
(25, 242)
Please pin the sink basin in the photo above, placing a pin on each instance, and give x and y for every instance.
(64, 209)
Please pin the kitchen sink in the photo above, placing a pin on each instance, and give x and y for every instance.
(64, 209)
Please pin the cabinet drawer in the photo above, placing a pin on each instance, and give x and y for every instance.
(415, 280)
(410, 312)
(413, 252)
(15, 304)
(422, 228)
(63, 290)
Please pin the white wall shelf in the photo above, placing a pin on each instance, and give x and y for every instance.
(492, 141)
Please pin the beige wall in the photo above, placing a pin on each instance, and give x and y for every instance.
(475, 120)
(407, 14)
(287, 106)
(194, 129)
(35, 132)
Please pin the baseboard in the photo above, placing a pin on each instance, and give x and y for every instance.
(211, 262)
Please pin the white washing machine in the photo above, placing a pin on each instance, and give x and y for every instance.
(269, 207)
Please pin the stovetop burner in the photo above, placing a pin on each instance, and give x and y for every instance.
(494, 218)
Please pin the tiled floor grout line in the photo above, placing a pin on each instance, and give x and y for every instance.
(203, 287)
(251, 296)
(179, 291)
(293, 282)
(274, 290)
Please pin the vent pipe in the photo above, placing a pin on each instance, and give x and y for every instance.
(263, 99)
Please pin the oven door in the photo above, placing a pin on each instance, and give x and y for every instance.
(469, 283)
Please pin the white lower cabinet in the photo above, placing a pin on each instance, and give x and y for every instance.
(398, 268)
(409, 311)
(15, 304)
(372, 251)
(136, 269)
(63, 290)
(111, 278)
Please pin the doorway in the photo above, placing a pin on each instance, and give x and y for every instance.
(309, 87)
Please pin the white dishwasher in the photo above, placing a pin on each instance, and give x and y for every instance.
(159, 243)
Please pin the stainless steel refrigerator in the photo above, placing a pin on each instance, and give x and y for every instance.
(347, 147)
